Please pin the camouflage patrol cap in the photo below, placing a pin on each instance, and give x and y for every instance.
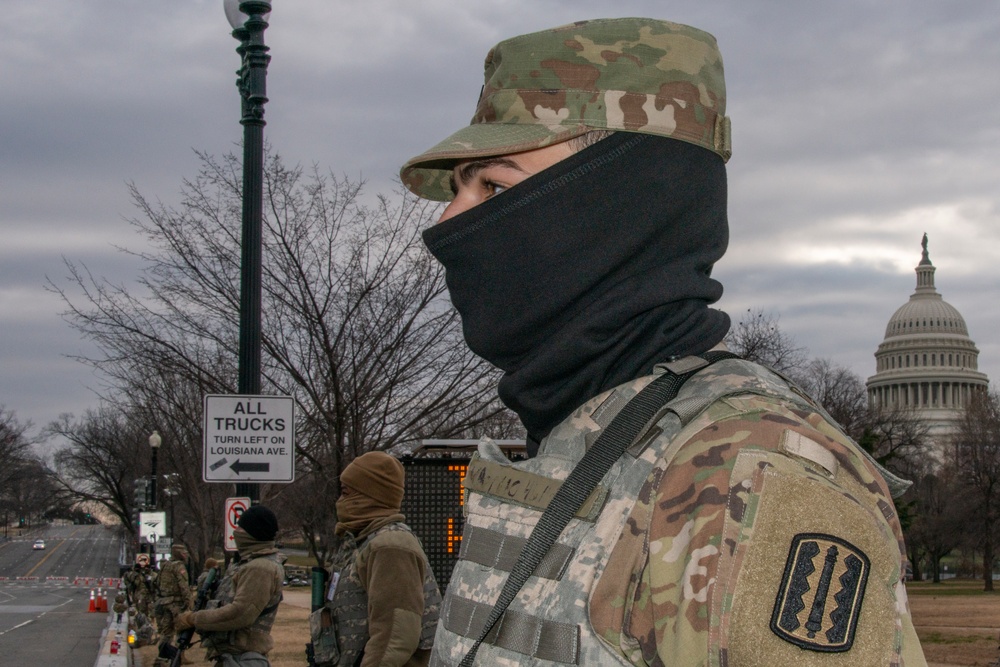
(631, 74)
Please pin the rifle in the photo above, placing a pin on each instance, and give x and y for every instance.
(205, 592)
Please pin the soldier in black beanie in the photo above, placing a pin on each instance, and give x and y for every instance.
(260, 522)
(236, 626)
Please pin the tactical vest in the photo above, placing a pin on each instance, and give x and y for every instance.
(172, 585)
(340, 629)
(547, 623)
(224, 641)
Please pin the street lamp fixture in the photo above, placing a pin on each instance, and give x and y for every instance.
(236, 17)
(249, 21)
(154, 443)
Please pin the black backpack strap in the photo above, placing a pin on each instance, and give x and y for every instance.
(640, 413)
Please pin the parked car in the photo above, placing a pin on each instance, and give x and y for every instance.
(39, 544)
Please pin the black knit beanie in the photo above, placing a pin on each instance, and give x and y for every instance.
(259, 522)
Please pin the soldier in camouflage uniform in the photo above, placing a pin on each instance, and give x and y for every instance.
(384, 601)
(140, 585)
(174, 593)
(236, 625)
(740, 527)
(120, 607)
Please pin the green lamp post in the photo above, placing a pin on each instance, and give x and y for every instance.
(249, 20)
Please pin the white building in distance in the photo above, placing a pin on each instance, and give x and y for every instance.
(927, 362)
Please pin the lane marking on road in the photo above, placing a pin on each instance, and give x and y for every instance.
(39, 563)
(16, 627)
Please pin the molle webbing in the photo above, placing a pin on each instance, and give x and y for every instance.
(350, 609)
(640, 413)
(525, 488)
(500, 552)
(516, 631)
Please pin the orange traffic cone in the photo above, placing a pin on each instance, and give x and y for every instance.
(92, 607)
(102, 600)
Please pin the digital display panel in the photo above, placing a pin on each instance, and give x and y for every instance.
(433, 508)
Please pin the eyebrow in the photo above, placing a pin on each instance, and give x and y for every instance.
(468, 171)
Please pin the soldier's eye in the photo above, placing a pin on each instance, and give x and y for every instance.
(493, 188)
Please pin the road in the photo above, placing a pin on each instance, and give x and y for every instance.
(45, 595)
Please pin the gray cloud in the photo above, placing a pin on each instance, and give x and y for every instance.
(858, 126)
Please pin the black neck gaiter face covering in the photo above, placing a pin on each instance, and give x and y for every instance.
(587, 274)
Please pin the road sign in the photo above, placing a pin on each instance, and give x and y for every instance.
(249, 438)
(163, 545)
(152, 525)
(234, 510)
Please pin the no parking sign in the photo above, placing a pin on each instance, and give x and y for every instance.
(234, 510)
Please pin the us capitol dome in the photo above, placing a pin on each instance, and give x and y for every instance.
(927, 362)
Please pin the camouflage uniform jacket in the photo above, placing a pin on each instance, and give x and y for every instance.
(386, 601)
(743, 529)
(140, 584)
(240, 617)
(174, 592)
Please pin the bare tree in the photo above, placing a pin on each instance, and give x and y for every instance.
(16, 462)
(757, 337)
(839, 390)
(939, 514)
(107, 451)
(977, 457)
(102, 460)
(356, 324)
(15, 445)
(898, 439)
(32, 493)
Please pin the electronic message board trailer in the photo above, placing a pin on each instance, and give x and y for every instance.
(435, 496)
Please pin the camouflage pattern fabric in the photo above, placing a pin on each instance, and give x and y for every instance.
(145, 633)
(174, 596)
(630, 74)
(140, 586)
(734, 533)
(339, 629)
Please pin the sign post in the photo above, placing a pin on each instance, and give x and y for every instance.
(234, 510)
(249, 439)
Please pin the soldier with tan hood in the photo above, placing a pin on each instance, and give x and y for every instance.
(383, 601)
(683, 507)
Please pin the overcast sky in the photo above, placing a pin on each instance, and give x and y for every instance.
(858, 125)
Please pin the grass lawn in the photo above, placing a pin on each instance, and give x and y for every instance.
(958, 623)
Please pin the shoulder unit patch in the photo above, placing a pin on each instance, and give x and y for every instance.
(819, 601)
